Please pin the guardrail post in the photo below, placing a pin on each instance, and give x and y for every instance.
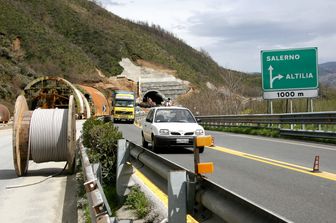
(196, 158)
(97, 170)
(177, 196)
(191, 193)
(291, 111)
(124, 170)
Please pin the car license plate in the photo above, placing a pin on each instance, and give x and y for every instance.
(182, 140)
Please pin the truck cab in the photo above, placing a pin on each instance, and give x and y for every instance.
(123, 104)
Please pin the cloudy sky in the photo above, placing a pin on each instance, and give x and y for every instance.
(234, 31)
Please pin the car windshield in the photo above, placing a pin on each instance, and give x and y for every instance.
(174, 115)
(124, 103)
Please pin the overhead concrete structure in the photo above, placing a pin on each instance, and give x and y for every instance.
(152, 80)
(167, 88)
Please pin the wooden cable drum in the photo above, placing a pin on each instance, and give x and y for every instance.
(44, 135)
(21, 135)
(71, 135)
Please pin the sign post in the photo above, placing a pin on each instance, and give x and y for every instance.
(290, 73)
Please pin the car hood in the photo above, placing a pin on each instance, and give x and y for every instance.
(178, 127)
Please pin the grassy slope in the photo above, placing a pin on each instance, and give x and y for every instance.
(106, 38)
(69, 38)
(45, 50)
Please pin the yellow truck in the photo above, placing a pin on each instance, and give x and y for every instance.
(123, 103)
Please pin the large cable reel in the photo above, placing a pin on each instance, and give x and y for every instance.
(43, 135)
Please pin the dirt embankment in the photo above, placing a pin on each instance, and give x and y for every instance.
(155, 66)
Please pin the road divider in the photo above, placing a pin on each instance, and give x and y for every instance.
(321, 122)
(204, 199)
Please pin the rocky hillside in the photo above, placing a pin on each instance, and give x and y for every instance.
(71, 38)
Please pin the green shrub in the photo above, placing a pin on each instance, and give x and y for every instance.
(102, 139)
(137, 200)
(87, 126)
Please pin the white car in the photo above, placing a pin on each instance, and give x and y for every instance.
(170, 126)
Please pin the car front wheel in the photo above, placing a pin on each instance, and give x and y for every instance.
(154, 147)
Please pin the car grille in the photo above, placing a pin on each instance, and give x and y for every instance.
(188, 133)
(124, 113)
(178, 134)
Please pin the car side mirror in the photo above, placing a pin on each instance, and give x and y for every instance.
(199, 120)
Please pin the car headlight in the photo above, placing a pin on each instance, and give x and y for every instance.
(164, 132)
(199, 132)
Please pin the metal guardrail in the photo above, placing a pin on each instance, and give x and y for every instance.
(100, 211)
(314, 118)
(225, 204)
(285, 118)
(308, 133)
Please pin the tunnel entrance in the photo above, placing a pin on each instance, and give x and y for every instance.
(155, 96)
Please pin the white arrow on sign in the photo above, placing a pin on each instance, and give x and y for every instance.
(272, 79)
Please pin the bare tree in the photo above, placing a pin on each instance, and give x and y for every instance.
(233, 81)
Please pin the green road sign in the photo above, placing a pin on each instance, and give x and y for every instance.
(290, 73)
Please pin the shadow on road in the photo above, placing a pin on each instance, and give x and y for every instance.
(7, 174)
(175, 150)
(70, 200)
(45, 172)
(69, 213)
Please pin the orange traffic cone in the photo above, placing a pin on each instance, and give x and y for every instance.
(316, 167)
(212, 141)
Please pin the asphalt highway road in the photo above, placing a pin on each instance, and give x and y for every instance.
(273, 173)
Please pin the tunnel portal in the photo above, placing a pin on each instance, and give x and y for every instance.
(155, 96)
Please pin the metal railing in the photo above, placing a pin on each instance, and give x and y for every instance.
(308, 133)
(100, 211)
(277, 121)
(285, 118)
(202, 194)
